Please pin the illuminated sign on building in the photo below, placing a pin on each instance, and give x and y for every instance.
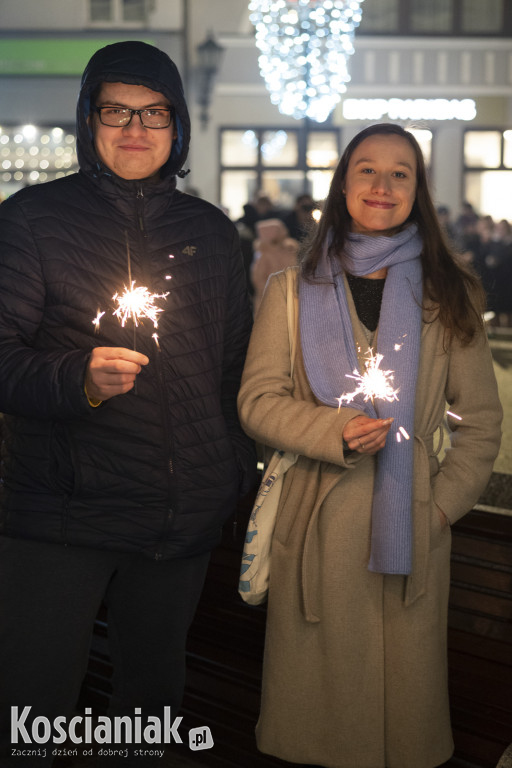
(409, 109)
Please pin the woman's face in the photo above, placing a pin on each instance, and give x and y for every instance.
(380, 185)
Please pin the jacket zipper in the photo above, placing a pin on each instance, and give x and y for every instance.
(169, 515)
(140, 210)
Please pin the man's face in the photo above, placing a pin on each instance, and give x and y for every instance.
(133, 151)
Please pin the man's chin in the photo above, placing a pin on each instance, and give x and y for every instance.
(136, 174)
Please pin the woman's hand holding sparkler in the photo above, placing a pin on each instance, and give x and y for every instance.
(112, 371)
(366, 435)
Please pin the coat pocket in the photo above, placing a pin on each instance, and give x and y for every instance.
(289, 509)
(439, 528)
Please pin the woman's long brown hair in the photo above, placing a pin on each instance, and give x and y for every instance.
(454, 289)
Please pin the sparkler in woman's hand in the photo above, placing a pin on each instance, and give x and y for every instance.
(373, 384)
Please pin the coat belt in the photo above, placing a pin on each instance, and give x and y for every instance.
(415, 582)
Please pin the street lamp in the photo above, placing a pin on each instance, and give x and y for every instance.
(209, 54)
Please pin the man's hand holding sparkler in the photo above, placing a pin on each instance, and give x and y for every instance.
(366, 435)
(112, 371)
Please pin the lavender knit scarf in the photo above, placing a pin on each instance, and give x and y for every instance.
(330, 355)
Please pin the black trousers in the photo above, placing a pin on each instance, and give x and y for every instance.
(49, 599)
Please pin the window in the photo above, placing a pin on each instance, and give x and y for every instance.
(100, 10)
(487, 172)
(432, 16)
(436, 17)
(507, 149)
(489, 193)
(239, 148)
(282, 186)
(322, 150)
(482, 149)
(236, 189)
(134, 10)
(117, 11)
(279, 163)
(319, 183)
(284, 164)
(279, 148)
(380, 16)
(481, 18)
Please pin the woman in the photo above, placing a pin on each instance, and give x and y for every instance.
(355, 671)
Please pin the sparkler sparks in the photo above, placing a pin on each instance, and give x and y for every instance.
(96, 321)
(137, 303)
(399, 346)
(373, 384)
(402, 431)
(169, 277)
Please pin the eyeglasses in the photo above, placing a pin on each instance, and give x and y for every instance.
(151, 117)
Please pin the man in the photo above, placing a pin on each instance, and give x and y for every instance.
(124, 451)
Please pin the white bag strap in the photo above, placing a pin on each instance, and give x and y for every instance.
(292, 309)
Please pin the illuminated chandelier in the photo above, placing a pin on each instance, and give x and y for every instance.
(305, 46)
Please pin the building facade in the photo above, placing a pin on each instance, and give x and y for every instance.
(443, 67)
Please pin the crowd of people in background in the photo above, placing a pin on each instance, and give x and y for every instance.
(486, 245)
(271, 237)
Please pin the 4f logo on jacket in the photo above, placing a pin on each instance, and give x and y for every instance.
(189, 250)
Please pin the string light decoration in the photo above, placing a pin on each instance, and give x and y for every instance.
(305, 47)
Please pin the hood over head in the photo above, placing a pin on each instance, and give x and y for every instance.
(135, 63)
(271, 230)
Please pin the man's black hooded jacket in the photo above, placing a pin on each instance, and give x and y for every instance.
(159, 469)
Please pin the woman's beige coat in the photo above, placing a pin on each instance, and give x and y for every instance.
(355, 670)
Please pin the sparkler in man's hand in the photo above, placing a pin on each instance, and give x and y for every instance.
(137, 303)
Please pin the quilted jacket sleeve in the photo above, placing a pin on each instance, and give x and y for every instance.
(43, 384)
